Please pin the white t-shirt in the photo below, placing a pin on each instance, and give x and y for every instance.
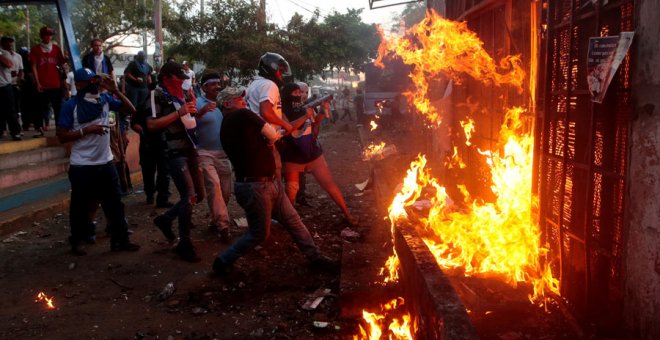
(72, 83)
(187, 83)
(91, 149)
(260, 90)
(5, 73)
(18, 64)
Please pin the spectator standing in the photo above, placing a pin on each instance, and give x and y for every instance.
(84, 121)
(28, 91)
(46, 59)
(191, 81)
(98, 62)
(345, 104)
(212, 158)
(138, 78)
(10, 63)
(171, 112)
(358, 102)
(257, 189)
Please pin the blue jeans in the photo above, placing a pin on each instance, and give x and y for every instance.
(187, 179)
(261, 201)
(91, 184)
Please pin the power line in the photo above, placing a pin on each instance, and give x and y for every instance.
(303, 7)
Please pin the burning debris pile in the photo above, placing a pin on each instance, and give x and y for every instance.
(493, 237)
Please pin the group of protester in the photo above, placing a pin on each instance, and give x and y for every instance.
(263, 133)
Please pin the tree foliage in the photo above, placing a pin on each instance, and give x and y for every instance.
(228, 37)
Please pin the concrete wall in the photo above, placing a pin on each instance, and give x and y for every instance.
(642, 239)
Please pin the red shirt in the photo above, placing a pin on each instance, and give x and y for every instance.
(47, 62)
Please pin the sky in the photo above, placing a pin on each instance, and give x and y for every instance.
(280, 11)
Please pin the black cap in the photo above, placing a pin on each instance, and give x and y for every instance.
(172, 68)
(7, 38)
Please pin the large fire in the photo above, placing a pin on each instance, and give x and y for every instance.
(497, 237)
(441, 47)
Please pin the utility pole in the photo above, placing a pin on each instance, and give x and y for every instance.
(144, 33)
(158, 24)
(261, 15)
(27, 24)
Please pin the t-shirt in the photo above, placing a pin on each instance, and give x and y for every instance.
(260, 90)
(208, 127)
(187, 83)
(17, 60)
(98, 64)
(138, 72)
(247, 149)
(72, 83)
(5, 72)
(91, 149)
(47, 63)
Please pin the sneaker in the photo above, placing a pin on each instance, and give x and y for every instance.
(220, 268)
(186, 251)
(38, 133)
(165, 225)
(324, 263)
(124, 246)
(16, 137)
(225, 235)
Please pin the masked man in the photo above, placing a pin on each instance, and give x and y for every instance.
(84, 121)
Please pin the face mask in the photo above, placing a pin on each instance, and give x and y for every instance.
(296, 101)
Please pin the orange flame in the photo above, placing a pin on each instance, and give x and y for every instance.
(398, 329)
(43, 297)
(488, 238)
(373, 124)
(468, 128)
(372, 150)
(436, 47)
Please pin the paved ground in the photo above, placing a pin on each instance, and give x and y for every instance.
(116, 295)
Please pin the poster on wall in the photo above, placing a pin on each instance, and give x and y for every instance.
(604, 57)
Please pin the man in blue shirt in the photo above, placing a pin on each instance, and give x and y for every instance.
(212, 159)
(84, 120)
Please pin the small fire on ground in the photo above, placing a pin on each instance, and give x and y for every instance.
(390, 320)
(47, 300)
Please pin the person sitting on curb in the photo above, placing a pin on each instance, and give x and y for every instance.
(257, 189)
(84, 121)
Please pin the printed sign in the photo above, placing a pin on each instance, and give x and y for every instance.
(604, 57)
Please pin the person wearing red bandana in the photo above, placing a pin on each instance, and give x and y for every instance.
(169, 110)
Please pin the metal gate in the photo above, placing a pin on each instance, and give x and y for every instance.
(583, 158)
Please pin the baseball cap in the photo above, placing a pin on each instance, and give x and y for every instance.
(173, 68)
(46, 31)
(229, 93)
(7, 38)
(83, 74)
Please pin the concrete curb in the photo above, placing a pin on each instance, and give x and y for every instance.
(16, 219)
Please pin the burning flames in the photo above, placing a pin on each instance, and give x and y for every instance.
(373, 124)
(48, 300)
(487, 238)
(437, 47)
(404, 328)
(372, 150)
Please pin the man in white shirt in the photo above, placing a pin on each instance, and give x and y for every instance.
(188, 83)
(11, 67)
(263, 97)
